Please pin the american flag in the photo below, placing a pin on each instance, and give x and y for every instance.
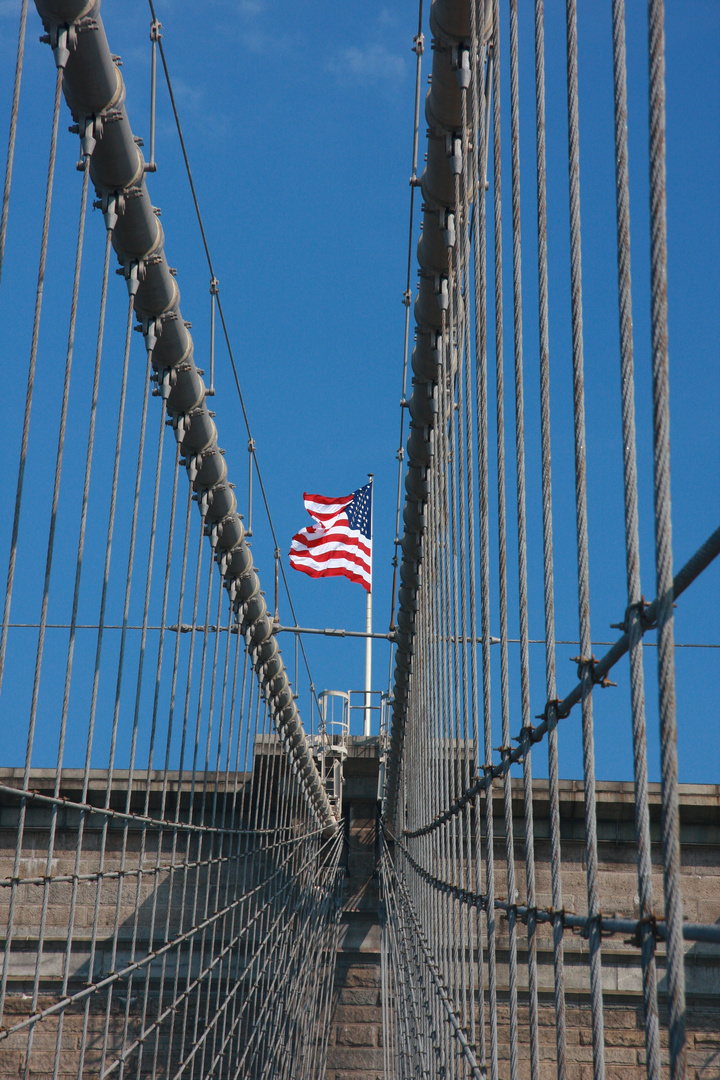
(340, 544)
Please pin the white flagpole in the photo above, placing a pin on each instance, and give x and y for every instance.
(368, 630)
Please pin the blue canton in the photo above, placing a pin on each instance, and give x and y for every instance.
(359, 511)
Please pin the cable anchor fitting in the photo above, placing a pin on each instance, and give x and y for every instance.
(453, 151)
(132, 272)
(460, 63)
(112, 205)
(446, 221)
(61, 39)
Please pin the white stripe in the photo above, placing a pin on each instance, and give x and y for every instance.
(362, 547)
(306, 560)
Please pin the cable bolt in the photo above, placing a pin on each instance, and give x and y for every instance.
(640, 606)
(591, 661)
(646, 920)
(155, 28)
(553, 705)
(418, 46)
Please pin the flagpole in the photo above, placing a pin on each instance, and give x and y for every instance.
(368, 630)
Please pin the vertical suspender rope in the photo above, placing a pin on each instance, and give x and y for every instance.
(633, 618)
(550, 683)
(522, 550)
(479, 240)
(663, 542)
(477, 8)
(502, 549)
(585, 661)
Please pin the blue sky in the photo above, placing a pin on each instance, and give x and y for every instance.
(298, 122)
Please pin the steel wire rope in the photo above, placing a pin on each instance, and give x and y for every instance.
(231, 355)
(702, 558)
(529, 825)
(454, 612)
(30, 386)
(479, 59)
(452, 1018)
(663, 540)
(502, 545)
(465, 464)
(481, 360)
(406, 301)
(196, 748)
(71, 643)
(243, 713)
(583, 569)
(136, 717)
(183, 748)
(185, 628)
(96, 669)
(13, 131)
(632, 543)
(548, 576)
(151, 746)
(445, 603)
(218, 762)
(118, 688)
(113, 977)
(610, 924)
(48, 571)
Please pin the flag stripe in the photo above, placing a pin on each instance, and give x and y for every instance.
(326, 510)
(330, 568)
(333, 555)
(314, 538)
(339, 572)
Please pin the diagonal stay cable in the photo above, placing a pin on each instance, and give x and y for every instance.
(226, 335)
(13, 131)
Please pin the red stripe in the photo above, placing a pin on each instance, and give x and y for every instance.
(342, 539)
(314, 504)
(343, 500)
(301, 541)
(329, 557)
(332, 572)
(356, 557)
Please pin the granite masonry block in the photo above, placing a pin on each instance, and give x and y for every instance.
(357, 1014)
(356, 1035)
(354, 1059)
(358, 976)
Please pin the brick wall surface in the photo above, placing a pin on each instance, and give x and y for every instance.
(355, 1049)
